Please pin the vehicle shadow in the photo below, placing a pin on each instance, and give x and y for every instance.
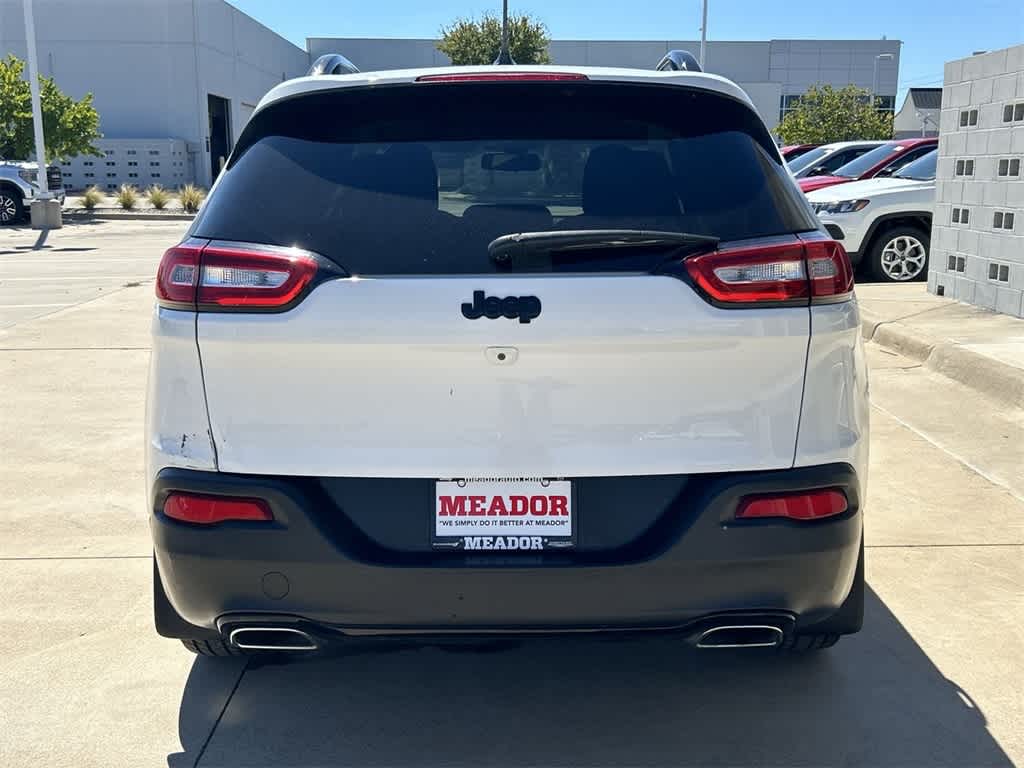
(874, 700)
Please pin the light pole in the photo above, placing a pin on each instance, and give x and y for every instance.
(874, 75)
(703, 32)
(45, 211)
(504, 54)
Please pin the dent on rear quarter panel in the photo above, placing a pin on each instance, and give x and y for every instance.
(835, 416)
(177, 427)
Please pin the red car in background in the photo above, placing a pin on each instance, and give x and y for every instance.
(795, 150)
(884, 160)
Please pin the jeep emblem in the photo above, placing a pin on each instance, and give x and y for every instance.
(524, 307)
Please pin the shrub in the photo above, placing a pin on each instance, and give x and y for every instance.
(91, 198)
(158, 196)
(191, 198)
(127, 196)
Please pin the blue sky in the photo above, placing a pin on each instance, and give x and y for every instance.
(932, 31)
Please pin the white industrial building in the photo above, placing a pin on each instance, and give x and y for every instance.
(166, 76)
(174, 81)
(774, 73)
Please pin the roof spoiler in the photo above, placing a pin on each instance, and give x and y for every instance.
(332, 64)
(677, 61)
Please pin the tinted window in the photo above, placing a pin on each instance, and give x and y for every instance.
(807, 159)
(419, 179)
(839, 159)
(855, 168)
(923, 169)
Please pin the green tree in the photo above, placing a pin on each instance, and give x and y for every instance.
(69, 126)
(466, 41)
(825, 114)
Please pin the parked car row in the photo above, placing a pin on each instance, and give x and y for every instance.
(876, 197)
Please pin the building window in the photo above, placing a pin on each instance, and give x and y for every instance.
(155, 165)
(109, 164)
(787, 105)
(111, 175)
(133, 163)
(968, 118)
(155, 175)
(131, 152)
(1013, 113)
(133, 175)
(964, 168)
(154, 151)
(109, 153)
(961, 215)
(87, 163)
(1008, 166)
(89, 175)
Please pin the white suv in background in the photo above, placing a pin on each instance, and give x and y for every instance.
(884, 223)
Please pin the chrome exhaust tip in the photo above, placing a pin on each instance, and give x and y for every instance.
(272, 639)
(741, 636)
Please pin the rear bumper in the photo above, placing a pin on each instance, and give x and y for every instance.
(694, 562)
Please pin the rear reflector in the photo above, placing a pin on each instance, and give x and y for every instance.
(791, 273)
(491, 77)
(808, 505)
(209, 510)
(228, 277)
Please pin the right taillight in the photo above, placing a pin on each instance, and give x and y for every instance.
(793, 273)
(226, 277)
(799, 505)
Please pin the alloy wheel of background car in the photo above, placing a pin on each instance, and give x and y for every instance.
(901, 256)
(10, 208)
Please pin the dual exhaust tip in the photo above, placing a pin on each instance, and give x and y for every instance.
(285, 639)
(723, 633)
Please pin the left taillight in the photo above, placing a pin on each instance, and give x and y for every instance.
(792, 273)
(210, 510)
(224, 277)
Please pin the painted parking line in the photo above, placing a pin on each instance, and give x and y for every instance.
(32, 306)
(49, 279)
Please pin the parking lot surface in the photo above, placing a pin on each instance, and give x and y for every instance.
(933, 680)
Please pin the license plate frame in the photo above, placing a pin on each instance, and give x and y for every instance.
(534, 514)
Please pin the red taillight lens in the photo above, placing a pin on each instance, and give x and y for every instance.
(792, 273)
(236, 277)
(769, 273)
(490, 77)
(210, 510)
(806, 505)
(227, 277)
(178, 275)
(829, 269)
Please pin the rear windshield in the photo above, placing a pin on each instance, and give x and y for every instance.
(420, 179)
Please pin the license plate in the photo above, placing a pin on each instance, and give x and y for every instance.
(503, 514)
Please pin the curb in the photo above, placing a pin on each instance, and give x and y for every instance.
(998, 380)
(81, 215)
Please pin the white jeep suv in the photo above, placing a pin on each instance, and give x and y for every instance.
(525, 350)
(884, 223)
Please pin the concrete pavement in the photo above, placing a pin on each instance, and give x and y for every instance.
(84, 681)
(974, 346)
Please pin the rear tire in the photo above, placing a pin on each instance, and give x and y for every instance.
(900, 254)
(12, 209)
(212, 647)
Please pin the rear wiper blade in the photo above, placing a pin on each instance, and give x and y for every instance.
(524, 247)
